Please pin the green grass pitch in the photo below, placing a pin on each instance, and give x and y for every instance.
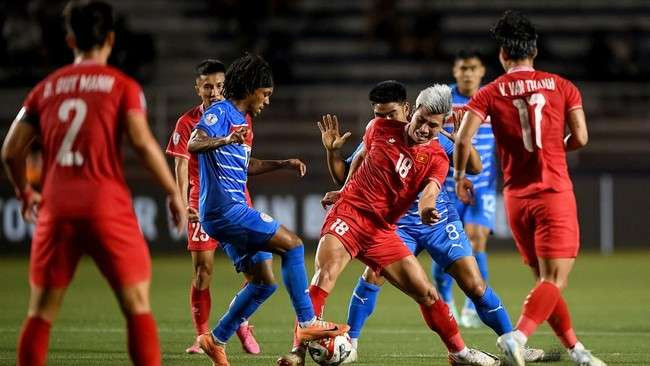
(609, 298)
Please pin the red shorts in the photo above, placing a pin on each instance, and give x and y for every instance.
(115, 243)
(544, 225)
(377, 248)
(198, 240)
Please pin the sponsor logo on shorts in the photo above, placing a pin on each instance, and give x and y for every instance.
(265, 217)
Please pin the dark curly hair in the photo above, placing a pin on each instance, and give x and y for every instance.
(89, 22)
(516, 35)
(389, 91)
(246, 74)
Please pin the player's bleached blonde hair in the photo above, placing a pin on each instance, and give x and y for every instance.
(436, 99)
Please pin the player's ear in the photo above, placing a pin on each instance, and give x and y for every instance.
(534, 54)
(407, 110)
(110, 39)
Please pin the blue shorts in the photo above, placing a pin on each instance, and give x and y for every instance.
(445, 242)
(482, 211)
(243, 232)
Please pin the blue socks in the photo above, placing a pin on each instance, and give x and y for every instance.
(241, 308)
(362, 304)
(444, 282)
(294, 276)
(482, 261)
(492, 312)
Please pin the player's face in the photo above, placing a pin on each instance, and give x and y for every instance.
(468, 73)
(424, 125)
(395, 111)
(260, 98)
(210, 87)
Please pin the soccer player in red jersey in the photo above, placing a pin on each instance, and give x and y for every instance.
(397, 162)
(210, 76)
(80, 113)
(529, 110)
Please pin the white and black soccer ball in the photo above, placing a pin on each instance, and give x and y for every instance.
(330, 351)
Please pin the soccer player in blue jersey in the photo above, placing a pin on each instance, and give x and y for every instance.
(477, 215)
(248, 236)
(445, 240)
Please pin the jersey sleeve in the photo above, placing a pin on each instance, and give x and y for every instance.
(446, 144)
(480, 102)
(367, 136)
(133, 99)
(177, 145)
(349, 159)
(572, 97)
(29, 111)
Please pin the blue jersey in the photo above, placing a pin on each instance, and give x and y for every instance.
(444, 206)
(222, 172)
(483, 142)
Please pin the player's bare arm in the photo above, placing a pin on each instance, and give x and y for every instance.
(427, 204)
(578, 136)
(257, 166)
(14, 154)
(182, 181)
(474, 165)
(201, 142)
(333, 141)
(147, 147)
(462, 147)
(356, 162)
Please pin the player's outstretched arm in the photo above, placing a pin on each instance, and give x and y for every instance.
(147, 147)
(257, 166)
(427, 203)
(469, 125)
(332, 142)
(201, 142)
(14, 154)
(579, 136)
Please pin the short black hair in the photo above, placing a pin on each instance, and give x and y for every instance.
(209, 66)
(389, 91)
(246, 74)
(516, 34)
(89, 21)
(468, 54)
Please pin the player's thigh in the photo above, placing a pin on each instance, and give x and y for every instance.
(468, 276)
(261, 272)
(283, 240)
(331, 258)
(203, 260)
(57, 247)
(557, 234)
(408, 275)
(522, 227)
(446, 242)
(120, 251)
(556, 270)
(477, 235)
(45, 302)
(134, 297)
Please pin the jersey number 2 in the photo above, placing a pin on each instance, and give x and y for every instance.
(65, 156)
(539, 102)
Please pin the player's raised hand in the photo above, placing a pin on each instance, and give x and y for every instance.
(330, 198)
(298, 165)
(330, 133)
(29, 206)
(465, 191)
(192, 214)
(177, 210)
(429, 215)
(238, 136)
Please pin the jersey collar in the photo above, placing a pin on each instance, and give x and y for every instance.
(520, 68)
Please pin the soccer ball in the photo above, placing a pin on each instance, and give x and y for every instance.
(330, 351)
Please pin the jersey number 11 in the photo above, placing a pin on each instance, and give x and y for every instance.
(539, 102)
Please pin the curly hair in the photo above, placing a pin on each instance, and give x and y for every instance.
(246, 74)
(516, 35)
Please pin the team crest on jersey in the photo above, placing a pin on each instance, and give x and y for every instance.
(176, 138)
(265, 217)
(391, 140)
(211, 119)
(421, 158)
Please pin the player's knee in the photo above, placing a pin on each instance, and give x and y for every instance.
(135, 300)
(326, 276)
(474, 287)
(428, 297)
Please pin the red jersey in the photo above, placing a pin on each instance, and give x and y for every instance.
(393, 172)
(80, 110)
(528, 109)
(177, 146)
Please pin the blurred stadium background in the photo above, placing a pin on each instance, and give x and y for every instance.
(326, 55)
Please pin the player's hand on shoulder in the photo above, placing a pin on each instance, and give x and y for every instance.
(192, 214)
(330, 133)
(465, 191)
(238, 136)
(298, 165)
(330, 198)
(429, 215)
(30, 203)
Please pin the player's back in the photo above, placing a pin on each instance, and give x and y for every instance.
(528, 109)
(81, 110)
(393, 173)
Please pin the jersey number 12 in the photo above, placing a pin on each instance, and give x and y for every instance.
(539, 102)
(65, 156)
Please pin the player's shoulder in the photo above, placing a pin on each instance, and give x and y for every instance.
(191, 116)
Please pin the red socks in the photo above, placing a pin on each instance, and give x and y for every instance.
(440, 320)
(200, 303)
(318, 297)
(538, 307)
(144, 347)
(560, 321)
(33, 342)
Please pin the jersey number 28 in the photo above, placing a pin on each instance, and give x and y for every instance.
(65, 156)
